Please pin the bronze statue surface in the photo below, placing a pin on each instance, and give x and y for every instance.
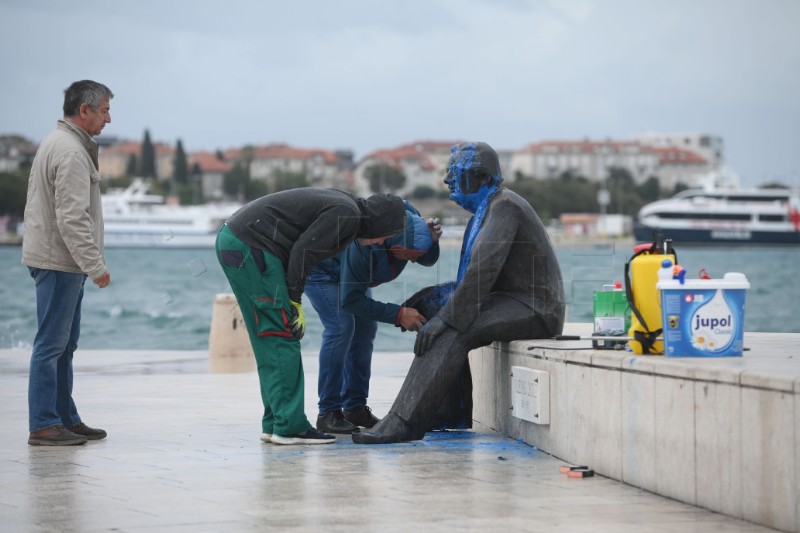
(508, 287)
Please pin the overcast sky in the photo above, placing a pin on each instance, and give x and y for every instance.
(376, 74)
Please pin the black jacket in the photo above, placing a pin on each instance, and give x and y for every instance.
(304, 226)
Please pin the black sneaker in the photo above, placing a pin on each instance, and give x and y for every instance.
(312, 436)
(361, 416)
(334, 422)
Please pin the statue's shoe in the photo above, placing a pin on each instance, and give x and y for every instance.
(366, 437)
(390, 429)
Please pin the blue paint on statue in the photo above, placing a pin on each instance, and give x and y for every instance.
(439, 295)
(472, 191)
(473, 228)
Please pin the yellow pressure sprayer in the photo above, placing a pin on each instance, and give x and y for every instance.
(641, 276)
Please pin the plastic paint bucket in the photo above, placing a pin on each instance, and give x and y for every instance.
(704, 317)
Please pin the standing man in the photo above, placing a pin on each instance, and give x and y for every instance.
(62, 246)
(267, 249)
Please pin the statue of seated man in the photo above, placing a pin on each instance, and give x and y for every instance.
(508, 287)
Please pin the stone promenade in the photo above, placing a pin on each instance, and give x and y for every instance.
(183, 454)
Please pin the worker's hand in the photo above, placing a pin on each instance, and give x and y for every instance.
(428, 334)
(103, 280)
(436, 229)
(298, 321)
(410, 319)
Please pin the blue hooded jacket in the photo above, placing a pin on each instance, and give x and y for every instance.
(360, 267)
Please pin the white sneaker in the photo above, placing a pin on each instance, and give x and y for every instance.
(265, 437)
(312, 436)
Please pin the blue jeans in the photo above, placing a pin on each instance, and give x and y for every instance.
(58, 310)
(345, 358)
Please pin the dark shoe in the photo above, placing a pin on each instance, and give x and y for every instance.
(361, 416)
(334, 422)
(89, 433)
(312, 436)
(55, 436)
(390, 429)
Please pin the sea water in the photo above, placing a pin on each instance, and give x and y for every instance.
(163, 299)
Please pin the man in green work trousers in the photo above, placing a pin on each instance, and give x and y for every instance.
(267, 249)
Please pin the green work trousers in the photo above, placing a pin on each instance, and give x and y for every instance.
(259, 284)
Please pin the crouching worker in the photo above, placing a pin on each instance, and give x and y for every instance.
(508, 287)
(340, 289)
(267, 249)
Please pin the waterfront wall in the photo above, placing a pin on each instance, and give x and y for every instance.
(718, 433)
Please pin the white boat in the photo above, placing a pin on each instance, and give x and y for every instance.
(135, 219)
(725, 215)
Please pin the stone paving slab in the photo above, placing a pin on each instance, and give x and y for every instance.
(183, 455)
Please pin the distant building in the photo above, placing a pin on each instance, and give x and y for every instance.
(16, 152)
(676, 165)
(594, 160)
(212, 173)
(322, 168)
(709, 147)
(423, 163)
(672, 157)
(590, 159)
(115, 159)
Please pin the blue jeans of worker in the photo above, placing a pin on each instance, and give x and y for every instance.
(345, 358)
(58, 311)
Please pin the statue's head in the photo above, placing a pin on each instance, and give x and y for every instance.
(472, 171)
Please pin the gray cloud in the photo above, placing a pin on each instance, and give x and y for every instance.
(365, 75)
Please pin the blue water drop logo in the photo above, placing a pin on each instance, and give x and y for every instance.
(713, 325)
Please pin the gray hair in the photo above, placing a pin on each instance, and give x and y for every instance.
(84, 92)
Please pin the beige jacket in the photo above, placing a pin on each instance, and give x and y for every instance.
(64, 213)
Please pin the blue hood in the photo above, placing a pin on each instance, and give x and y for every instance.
(417, 235)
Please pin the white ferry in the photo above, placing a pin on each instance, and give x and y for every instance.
(724, 215)
(135, 219)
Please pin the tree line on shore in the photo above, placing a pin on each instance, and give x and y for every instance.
(551, 197)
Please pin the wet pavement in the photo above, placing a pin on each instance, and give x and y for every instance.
(183, 454)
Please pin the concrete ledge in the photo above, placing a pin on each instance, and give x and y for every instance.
(719, 433)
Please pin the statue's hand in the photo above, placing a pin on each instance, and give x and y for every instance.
(427, 334)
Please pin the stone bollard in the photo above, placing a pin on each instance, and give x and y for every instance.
(229, 349)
